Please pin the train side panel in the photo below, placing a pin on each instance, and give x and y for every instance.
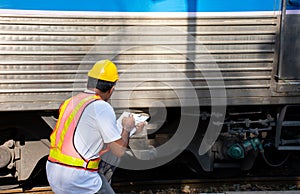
(45, 57)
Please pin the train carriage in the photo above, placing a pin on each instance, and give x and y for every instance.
(226, 65)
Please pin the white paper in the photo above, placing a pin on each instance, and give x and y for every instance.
(139, 118)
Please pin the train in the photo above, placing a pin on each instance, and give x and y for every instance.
(219, 78)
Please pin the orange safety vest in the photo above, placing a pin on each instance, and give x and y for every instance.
(62, 149)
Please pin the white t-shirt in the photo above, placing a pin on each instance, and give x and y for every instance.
(97, 126)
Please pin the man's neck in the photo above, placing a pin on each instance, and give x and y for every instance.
(97, 91)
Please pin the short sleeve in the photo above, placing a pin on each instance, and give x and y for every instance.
(107, 124)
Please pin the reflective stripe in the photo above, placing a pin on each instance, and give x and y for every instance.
(65, 159)
(59, 157)
(53, 134)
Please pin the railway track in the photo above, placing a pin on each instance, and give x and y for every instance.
(211, 185)
(192, 185)
(44, 190)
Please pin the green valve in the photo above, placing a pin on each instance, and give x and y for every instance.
(252, 144)
(236, 151)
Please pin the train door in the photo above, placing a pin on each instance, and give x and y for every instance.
(289, 61)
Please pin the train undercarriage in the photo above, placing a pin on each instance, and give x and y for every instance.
(247, 132)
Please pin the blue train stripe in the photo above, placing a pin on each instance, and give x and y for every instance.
(144, 5)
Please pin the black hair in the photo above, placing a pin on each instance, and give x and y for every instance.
(101, 85)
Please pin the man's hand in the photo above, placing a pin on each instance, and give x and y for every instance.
(139, 127)
(128, 123)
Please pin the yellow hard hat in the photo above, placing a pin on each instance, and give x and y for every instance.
(104, 70)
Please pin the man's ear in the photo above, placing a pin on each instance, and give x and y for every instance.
(111, 89)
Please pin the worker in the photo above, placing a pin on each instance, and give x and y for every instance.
(85, 129)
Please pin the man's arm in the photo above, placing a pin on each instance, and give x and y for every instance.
(119, 146)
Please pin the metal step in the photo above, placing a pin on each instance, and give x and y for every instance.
(290, 148)
(291, 123)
